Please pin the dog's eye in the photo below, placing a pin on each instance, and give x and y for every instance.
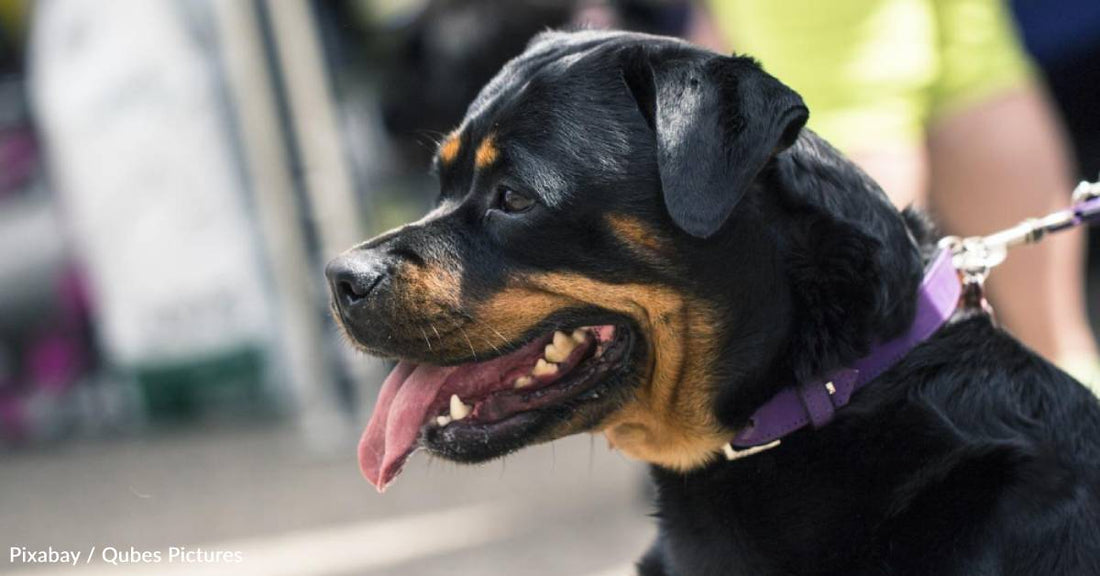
(512, 202)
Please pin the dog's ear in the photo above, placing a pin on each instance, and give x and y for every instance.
(717, 120)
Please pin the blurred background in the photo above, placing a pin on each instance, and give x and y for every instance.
(173, 176)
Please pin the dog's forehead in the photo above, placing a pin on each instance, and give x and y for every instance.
(563, 95)
(560, 122)
(545, 52)
(553, 54)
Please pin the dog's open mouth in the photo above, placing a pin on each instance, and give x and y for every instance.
(472, 402)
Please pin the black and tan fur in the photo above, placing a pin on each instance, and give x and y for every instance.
(677, 194)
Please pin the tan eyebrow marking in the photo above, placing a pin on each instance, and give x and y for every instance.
(487, 152)
(448, 150)
(637, 234)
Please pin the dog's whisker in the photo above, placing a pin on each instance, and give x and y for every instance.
(425, 335)
(497, 332)
(491, 345)
(469, 343)
(487, 341)
(465, 335)
(471, 318)
(437, 336)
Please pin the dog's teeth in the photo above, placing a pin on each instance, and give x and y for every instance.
(523, 382)
(442, 421)
(563, 341)
(458, 409)
(544, 368)
(580, 335)
(560, 348)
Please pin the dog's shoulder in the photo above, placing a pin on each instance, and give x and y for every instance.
(987, 385)
(1018, 472)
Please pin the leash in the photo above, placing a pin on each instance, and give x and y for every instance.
(976, 256)
(954, 279)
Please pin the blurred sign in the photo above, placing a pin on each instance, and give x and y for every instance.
(141, 154)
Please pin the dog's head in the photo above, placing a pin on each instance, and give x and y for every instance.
(631, 237)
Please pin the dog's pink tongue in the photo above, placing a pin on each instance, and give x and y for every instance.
(402, 407)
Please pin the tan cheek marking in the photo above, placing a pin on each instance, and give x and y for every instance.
(670, 420)
(487, 152)
(638, 234)
(448, 151)
(426, 299)
(436, 285)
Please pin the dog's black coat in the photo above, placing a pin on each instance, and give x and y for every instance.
(971, 456)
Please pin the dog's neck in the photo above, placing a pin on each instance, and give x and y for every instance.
(850, 265)
(810, 505)
(815, 402)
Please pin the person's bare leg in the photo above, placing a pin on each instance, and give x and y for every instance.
(901, 170)
(991, 166)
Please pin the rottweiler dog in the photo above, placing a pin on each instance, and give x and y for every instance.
(638, 237)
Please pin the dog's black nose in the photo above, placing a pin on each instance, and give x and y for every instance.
(352, 278)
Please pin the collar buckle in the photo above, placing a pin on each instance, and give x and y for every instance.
(732, 453)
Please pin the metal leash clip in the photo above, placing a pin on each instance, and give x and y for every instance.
(974, 257)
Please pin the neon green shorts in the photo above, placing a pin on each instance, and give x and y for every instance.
(879, 70)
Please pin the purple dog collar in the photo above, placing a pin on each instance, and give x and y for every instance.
(816, 402)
